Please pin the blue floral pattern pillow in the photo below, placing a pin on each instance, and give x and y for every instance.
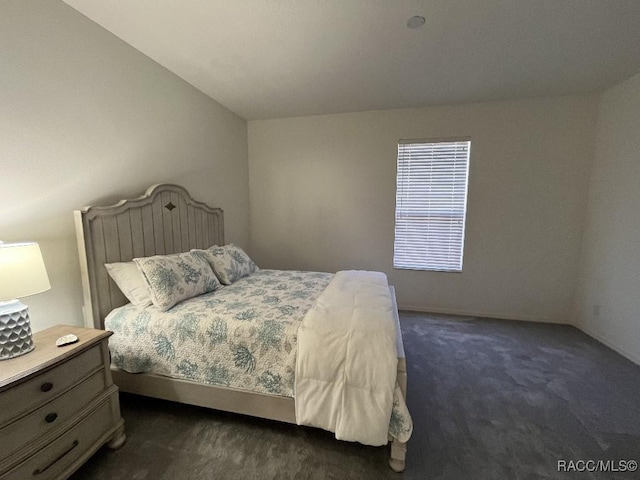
(229, 263)
(173, 278)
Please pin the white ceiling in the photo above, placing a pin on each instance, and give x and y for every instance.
(283, 58)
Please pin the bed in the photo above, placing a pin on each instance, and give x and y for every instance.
(164, 221)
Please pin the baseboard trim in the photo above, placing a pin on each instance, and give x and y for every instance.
(610, 344)
(412, 308)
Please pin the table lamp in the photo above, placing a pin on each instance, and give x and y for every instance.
(22, 273)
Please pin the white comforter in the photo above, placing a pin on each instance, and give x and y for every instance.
(347, 361)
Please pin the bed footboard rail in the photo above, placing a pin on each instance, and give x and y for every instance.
(397, 460)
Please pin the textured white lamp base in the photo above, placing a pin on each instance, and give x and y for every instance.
(15, 329)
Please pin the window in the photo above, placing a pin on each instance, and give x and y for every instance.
(431, 204)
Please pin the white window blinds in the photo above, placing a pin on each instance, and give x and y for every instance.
(431, 201)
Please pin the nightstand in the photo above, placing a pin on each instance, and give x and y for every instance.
(58, 405)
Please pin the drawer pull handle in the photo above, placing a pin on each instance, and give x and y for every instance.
(57, 459)
(45, 387)
(51, 417)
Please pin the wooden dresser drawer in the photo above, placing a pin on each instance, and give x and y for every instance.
(61, 454)
(58, 405)
(51, 415)
(43, 387)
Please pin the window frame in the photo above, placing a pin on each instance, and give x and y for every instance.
(426, 141)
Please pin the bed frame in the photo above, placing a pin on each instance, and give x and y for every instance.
(167, 220)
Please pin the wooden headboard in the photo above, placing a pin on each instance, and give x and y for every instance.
(162, 221)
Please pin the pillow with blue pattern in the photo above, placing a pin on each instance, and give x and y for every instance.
(176, 277)
(229, 263)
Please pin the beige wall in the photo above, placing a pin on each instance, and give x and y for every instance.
(323, 194)
(87, 119)
(608, 299)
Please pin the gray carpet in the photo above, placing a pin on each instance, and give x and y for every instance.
(490, 399)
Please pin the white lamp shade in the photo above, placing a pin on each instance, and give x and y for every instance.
(22, 271)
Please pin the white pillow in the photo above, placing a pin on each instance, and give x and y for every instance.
(130, 282)
(176, 277)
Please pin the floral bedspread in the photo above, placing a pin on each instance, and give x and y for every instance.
(242, 335)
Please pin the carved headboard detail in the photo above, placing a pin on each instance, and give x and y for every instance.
(162, 221)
